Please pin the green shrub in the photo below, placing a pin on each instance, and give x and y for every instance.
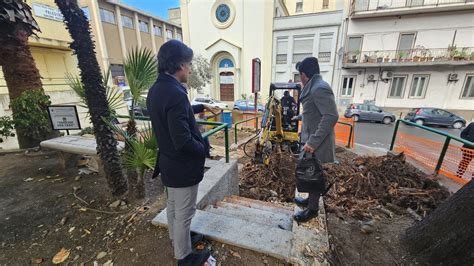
(30, 115)
(6, 128)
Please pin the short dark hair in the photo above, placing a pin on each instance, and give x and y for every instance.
(172, 54)
(309, 66)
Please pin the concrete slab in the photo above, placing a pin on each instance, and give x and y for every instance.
(310, 243)
(241, 233)
(257, 204)
(275, 219)
(74, 144)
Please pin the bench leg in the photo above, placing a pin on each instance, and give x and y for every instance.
(62, 159)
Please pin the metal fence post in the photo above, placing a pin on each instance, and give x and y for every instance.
(350, 138)
(395, 131)
(226, 139)
(441, 156)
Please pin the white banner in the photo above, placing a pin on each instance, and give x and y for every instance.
(48, 12)
(227, 79)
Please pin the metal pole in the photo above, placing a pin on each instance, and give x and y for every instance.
(441, 156)
(350, 138)
(226, 138)
(235, 133)
(256, 125)
(395, 131)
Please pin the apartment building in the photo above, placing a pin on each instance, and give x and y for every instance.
(118, 28)
(174, 15)
(404, 54)
(299, 7)
(300, 36)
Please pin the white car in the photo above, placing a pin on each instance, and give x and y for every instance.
(209, 101)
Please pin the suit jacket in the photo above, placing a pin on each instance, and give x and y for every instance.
(319, 118)
(182, 149)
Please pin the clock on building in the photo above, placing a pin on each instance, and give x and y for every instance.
(222, 13)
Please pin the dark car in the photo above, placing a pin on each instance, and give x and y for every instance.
(435, 116)
(368, 112)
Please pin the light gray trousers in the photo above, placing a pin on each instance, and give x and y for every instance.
(180, 209)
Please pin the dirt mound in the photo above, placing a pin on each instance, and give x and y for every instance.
(275, 182)
(368, 186)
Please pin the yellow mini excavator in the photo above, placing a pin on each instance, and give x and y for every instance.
(279, 128)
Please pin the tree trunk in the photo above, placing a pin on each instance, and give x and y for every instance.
(95, 93)
(19, 70)
(446, 235)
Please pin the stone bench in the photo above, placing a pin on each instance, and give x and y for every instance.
(71, 146)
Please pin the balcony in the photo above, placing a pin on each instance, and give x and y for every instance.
(414, 57)
(378, 8)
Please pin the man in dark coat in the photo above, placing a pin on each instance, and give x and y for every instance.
(317, 134)
(182, 150)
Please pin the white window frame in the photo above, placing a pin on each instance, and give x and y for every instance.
(325, 36)
(160, 30)
(142, 29)
(302, 37)
(325, 4)
(282, 39)
(168, 31)
(425, 86)
(179, 36)
(402, 93)
(400, 40)
(345, 94)
(107, 16)
(464, 87)
(124, 18)
(299, 6)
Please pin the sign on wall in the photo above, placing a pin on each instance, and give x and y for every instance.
(64, 117)
(48, 12)
(226, 79)
(256, 73)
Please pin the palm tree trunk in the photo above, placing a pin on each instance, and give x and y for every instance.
(95, 93)
(19, 70)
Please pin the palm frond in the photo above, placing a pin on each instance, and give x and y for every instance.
(76, 85)
(149, 138)
(140, 69)
(117, 130)
(139, 157)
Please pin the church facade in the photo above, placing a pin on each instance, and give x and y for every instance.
(229, 34)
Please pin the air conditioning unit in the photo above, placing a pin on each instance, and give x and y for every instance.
(371, 78)
(387, 74)
(453, 77)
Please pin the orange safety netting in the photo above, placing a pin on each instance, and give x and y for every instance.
(456, 164)
(343, 132)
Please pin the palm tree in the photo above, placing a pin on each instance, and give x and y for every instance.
(95, 93)
(18, 65)
(140, 69)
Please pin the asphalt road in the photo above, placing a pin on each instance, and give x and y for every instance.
(378, 135)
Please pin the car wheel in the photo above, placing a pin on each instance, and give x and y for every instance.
(387, 120)
(458, 125)
(420, 122)
(355, 118)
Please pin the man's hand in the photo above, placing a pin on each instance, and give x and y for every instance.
(308, 148)
(214, 110)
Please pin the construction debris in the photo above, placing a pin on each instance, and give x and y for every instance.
(364, 186)
(275, 182)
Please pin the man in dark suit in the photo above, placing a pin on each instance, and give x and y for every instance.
(182, 150)
(317, 134)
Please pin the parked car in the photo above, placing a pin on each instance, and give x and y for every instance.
(368, 112)
(247, 105)
(435, 116)
(209, 101)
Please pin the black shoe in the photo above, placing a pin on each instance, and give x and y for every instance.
(195, 259)
(301, 202)
(195, 239)
(306, 215)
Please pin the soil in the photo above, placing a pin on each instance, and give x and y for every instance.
(219, 140)
(41, 213)
(367, 208)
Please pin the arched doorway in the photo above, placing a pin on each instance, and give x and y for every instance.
(226, 80)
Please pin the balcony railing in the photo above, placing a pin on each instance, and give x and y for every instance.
(375, 5)
(421, 55)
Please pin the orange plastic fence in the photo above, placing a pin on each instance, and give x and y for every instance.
(343, 131)
(456, 164)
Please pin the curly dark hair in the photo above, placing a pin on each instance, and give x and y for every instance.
(172, 54)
